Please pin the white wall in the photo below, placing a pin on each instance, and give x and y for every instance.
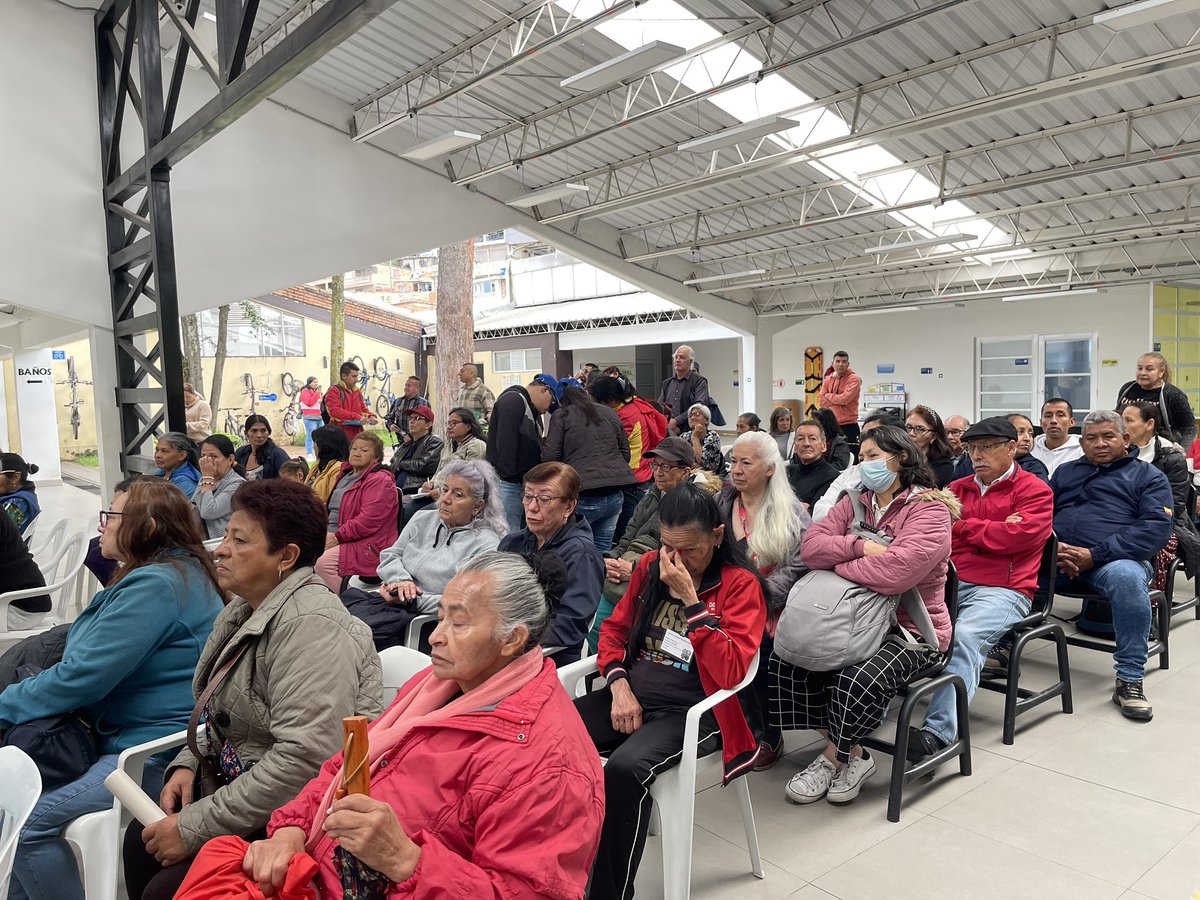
(944, 340)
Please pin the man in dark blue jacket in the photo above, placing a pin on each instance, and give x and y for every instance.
(1112, 514)
(514, 439)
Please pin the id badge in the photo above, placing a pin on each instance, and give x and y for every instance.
(678, 646)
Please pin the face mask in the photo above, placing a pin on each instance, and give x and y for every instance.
(875, 475)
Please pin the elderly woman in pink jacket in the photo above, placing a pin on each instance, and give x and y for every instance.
(902, 502)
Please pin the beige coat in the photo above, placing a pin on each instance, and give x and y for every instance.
(199, 420)
(312, 664)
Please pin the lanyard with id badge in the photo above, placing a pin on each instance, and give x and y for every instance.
(678, 646)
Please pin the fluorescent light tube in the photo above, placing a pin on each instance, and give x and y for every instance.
(441, 145)
(707, 278)
(545, 195)
(923, 242)
(749, 131)
(1133, 14)
(1078, 292)
(638, 60)
(880, 312)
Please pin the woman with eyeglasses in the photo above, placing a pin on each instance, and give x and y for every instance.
(928, 432)
(219, 479)
(178, 461)
(127, 667)
(553, 526)
(18, 495)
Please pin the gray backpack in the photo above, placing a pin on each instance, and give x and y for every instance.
(830, 622)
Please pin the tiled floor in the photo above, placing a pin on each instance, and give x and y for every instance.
(1081, 806)
(1088, 805)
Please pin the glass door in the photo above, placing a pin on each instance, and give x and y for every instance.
(1068, 362)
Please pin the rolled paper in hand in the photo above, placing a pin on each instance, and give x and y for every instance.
(356, 767)
(133, 797)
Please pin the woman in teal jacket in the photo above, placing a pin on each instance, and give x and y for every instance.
(127, 667)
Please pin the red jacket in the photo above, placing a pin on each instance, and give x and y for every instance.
(725, 627)
(646, 428)
(503, 802)
(986, 549)
(918, 520)
(346, 406)
(840, 394)
(367, 520)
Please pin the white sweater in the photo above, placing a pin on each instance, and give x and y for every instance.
(428, 554)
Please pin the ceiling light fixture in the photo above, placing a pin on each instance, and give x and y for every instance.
(440, 145)
(880, 312)
(1077, 292)
(726, 137)
(545, 195)
(916, 243)
(639, 59)
(1133, 14)
(708, 278)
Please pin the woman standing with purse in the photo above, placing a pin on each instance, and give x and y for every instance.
(125, 668)
(284, 665)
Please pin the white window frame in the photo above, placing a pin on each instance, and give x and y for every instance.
(524, 367)
(1037, 365)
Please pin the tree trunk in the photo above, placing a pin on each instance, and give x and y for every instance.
(193, 370)
(214, 396)
(455, 323)
(337, 327)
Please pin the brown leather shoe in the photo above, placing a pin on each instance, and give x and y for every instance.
(768, 755)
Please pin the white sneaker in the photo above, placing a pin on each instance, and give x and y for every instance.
(851, 777)
(813, 783)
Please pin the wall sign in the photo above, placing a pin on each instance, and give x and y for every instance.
(1021, 361)
(270, 397)
(926, 371)
(885, 369)
(58, 354)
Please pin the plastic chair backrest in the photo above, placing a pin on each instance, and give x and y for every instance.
(20, 788)
(52, 542)
(1043, 597)
(399, 665)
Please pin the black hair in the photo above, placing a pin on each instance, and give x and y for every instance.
(752, 420)
(181, 441)
(225, 446)
(573, 396)
(914, 467)
(469, 420)
(1152, 412)
(1066, 403)
(940, 447)
(1012, 416)
(613, 372)
(416, 379)
(551, 572)
(841, 353)
(269, 444)
(885, 417)
(310, 379)
(331, 445)
(12, 462)
(607, 390)
(828, 422)
(347, 367)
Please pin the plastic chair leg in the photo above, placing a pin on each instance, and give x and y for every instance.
(742, 786)
(676, 795)
(96, 841)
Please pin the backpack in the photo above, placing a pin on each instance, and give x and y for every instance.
(325, 409)
(830, 622)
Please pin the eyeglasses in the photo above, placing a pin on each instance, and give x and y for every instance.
(956, 431)
(539, 499)
(664, 467)
(916, 429)
(450, 423)
(105, 515)
(977, 447)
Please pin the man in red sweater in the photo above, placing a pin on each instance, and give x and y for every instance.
(839, 394)
(345, 403)
(996, 546)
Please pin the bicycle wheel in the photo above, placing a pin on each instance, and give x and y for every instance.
(383, 405)
(75, 423)
(289, 385)
(289, 423)
(381, 368)
(361, 363)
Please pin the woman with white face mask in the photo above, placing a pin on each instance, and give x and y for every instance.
(900, 500)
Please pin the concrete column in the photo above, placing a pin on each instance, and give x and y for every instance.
(108, 419)
(37, 419)
(755, 390)
(4, 441)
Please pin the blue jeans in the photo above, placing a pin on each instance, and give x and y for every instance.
(1124, 583)
(310, 425)
(602, 512)
(45, 865)
(984, 616)
(631, 496)
(510, 499)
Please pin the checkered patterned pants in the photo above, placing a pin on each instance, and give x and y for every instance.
(849, 702)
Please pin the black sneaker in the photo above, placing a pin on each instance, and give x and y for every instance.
(1131, 697)
(922, 743)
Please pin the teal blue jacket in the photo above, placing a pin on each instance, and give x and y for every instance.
(129, 659)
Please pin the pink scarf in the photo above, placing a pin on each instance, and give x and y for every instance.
(426, 704)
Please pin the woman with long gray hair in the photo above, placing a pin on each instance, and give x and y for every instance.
(468, 520)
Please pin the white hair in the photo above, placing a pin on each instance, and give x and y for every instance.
(517, 594)
(704, 411)
(1104, 417)
(690, 352)
(485, 488)
(777, 529)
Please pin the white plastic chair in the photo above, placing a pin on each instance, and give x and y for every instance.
(49, 544)
(399, 665)
(60, 573)
(20, 788)
(212, 544)
(31, 530)
(674, 791)
(96, 837)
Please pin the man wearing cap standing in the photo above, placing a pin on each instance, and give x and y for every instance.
(672, 462)
(417, 457)
(514, 439)
(996, 546)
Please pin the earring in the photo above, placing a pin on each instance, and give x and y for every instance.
(281, 573)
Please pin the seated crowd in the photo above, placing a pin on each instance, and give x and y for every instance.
(620, 524)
